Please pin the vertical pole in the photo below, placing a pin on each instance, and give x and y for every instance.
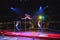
(14, 26)
(0, 25)
(20, 26)
(38, 29)
(30, 26)
(25, 25)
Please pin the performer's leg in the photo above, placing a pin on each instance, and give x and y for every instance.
(17, 28)
(41, 29)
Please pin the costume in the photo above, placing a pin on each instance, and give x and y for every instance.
(17, 25)
(40, 25)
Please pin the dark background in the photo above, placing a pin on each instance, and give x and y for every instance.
(30, 6)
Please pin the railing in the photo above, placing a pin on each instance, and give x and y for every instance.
(11, 26)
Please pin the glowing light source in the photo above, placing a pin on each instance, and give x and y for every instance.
(12, 8)
(41, 17)
(40, 8)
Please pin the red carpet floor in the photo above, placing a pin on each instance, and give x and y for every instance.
(32, 34)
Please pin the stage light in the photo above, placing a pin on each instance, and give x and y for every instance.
(41, 17)
(16, 10)
(47, 6)
(40, 8)
(12, 8)
(39, 11)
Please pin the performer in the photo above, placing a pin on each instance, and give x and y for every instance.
(27, 16)
(17, 25)
(40, 25)
(27, 20)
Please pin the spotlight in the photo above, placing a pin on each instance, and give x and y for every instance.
(12, 8)
(40, 7)
(41, 17)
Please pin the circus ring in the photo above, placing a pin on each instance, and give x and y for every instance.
(31, 34)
